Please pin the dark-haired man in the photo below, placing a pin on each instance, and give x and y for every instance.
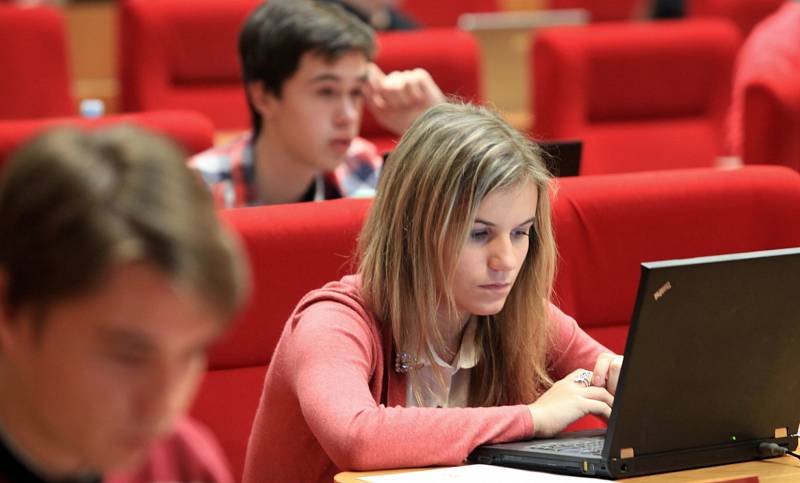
(308, 73)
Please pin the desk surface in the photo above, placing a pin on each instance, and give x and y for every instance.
(783, 469)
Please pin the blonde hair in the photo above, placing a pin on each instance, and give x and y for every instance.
(448, 161)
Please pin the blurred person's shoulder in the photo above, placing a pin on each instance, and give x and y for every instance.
(190, 453)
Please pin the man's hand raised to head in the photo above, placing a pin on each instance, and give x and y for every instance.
(397, 98)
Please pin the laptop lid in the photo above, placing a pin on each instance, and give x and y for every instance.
(711, 357)
(563, 157)
(709, 369)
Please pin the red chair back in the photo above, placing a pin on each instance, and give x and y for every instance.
(191, 130)
(36, 79)
(176, 54)
(640, 95)
(607, 225)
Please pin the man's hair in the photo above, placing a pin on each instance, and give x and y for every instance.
(449, 160)
(74, 205)
(277, 34)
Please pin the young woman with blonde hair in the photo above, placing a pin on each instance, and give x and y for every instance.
(445, 338)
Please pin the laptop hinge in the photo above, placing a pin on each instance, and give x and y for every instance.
(626, 453)
(781, 432)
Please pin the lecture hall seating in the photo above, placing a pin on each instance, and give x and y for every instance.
(771, 121)
(605, 226)
(36, 78)
(176, 54)
(191, 130)
(641, 95)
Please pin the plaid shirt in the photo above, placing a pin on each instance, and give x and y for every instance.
(229, 171)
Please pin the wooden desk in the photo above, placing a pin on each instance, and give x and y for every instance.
(783, 469)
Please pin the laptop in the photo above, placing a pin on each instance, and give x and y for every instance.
(710, 373)
(563, 158)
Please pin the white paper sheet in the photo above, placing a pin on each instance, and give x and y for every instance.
(473, 473)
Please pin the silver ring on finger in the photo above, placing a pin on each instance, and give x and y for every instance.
(584, 377)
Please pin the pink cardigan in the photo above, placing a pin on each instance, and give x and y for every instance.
(320, 414)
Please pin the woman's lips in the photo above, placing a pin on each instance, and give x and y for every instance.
(496, 287)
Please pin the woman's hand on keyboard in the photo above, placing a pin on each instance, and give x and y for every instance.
(567, 401)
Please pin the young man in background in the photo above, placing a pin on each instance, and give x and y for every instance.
(308, 74)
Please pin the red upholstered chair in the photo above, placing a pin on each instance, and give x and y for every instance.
(292, 249)
(603, 10)
(641, 95)
(450, 55)
(176, 54)
(445, 13)
(607, 225)
(193, 131)
(744, 13)
(35, 80)
(771, 122)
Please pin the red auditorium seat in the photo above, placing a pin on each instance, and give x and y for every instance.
(35, 80)
(771, 122)
(445, 13)
(292, 249)
(451, 56)
(641, 95)
(744, 13)
(176, 54)
(604, 225)
(603, 10)
(193, 131)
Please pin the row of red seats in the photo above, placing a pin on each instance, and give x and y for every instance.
(189, 129)
(744, 13)
(605, 227)
(631, 91)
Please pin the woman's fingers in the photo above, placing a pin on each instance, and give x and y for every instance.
(599, 394)
(601, 369)
(598, 408)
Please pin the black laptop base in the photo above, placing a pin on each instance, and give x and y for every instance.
(618, 468)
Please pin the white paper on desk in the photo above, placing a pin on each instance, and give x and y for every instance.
(470, 474)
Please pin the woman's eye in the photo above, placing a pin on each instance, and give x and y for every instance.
(326, 92)
(357, 93)
(479, 235)
(520, 233)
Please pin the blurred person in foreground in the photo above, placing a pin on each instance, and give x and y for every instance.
(115, 277)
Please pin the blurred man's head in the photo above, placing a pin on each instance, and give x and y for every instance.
(305, 66)
(115, 276)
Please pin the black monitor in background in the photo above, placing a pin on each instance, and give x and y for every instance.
(562, 158)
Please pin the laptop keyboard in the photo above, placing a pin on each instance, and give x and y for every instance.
(581, 446)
